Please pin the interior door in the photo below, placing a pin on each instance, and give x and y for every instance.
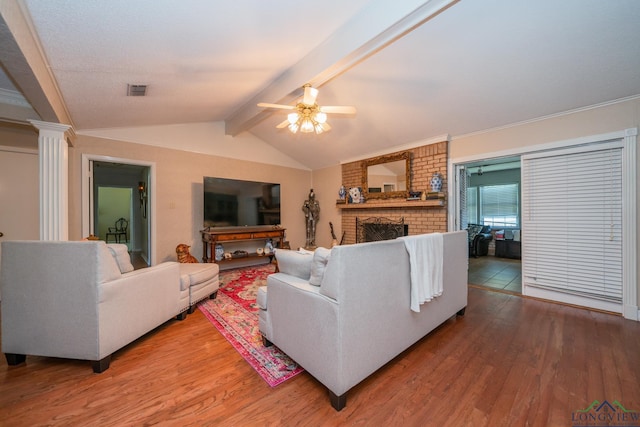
(19, 195)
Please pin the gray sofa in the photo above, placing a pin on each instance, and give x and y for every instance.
(83, 300)
(344, 320)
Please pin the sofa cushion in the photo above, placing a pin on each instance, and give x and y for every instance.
(319, 264)
(108, 268)
(120, 253)
(294, 263)
(194, 274)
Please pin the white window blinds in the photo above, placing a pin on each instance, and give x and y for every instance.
(571, 224)
(499, 205)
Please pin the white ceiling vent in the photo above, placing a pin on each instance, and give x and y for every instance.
(136, 90)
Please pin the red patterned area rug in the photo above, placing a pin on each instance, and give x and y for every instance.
(234, 313)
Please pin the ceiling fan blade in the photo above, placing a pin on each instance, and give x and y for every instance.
(280, 106)
(283, 124)
(310, 95)
(338, 109)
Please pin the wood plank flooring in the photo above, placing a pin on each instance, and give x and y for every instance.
(510, 361)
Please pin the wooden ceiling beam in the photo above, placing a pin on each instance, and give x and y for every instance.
(376, 27)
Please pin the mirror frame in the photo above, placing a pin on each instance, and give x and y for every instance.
(406, 155)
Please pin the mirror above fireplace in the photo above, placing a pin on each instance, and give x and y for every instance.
(387, 177)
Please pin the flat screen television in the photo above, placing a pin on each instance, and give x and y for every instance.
(235, 203)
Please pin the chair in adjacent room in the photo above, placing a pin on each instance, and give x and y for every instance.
(120, 230)
(479, 238)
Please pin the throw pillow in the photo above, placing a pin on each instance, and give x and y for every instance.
(294, 263)
(120, 253)
(320, 259)
(473, 231)
(108, 269)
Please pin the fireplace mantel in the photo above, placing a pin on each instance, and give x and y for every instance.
(400, 204)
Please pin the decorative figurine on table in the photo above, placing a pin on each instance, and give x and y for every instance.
(268, 247)
(311, 209)
(219, 252)
(183, 254)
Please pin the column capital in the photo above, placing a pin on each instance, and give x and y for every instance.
(66, 130)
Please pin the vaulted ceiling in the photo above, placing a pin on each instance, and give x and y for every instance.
(415, 70)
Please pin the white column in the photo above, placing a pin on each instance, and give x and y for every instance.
(54, 179)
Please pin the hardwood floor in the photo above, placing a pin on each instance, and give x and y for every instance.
(137, 260)
(510, 361)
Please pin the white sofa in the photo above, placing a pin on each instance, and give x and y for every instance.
(359, 317)
(82, 300)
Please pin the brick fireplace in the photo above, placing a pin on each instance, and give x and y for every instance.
(420, 217)
(377, 228)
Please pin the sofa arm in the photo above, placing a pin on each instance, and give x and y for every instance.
(304, 325)
(480, 244)
(483, 236)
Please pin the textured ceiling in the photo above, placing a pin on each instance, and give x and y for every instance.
(414, 70)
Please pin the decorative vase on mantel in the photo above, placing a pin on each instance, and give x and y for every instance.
(436, 182)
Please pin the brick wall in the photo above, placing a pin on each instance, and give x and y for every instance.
(425, 161)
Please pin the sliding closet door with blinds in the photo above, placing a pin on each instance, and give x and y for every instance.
(572, 211)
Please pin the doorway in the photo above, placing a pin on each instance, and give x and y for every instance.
(119, 188)
(490, 206)
(558, 181)
(113, 215)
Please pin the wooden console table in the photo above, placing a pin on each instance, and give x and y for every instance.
(212, 236)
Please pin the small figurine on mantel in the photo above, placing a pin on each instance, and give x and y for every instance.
(311, 209)
(355, 195)
(342, 193)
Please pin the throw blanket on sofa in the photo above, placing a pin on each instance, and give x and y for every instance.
(426, 259)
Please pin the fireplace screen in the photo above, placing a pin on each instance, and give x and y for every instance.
(379, 228)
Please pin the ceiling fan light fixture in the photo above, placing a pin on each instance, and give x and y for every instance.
(292, 117)
(307, 125)
(322, 127)
(320, 117)
(308, 116)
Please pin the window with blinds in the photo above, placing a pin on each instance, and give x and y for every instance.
(499, 205)
(572, 225)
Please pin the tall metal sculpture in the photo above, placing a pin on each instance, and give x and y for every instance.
(311, 209)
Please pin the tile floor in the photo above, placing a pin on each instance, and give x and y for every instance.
(496, 273)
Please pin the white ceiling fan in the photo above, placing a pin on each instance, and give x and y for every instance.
(308, 115)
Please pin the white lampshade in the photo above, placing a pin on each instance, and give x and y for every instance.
(306, 126)
(292, 117)
(320, 117)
